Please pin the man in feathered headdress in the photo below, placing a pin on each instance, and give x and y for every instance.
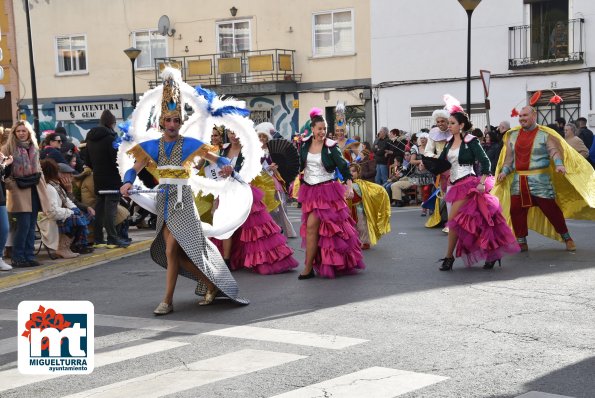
(542, 181)
(180, 245)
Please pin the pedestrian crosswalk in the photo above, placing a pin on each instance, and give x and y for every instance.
(159, 338)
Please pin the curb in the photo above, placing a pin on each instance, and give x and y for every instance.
(52, 270)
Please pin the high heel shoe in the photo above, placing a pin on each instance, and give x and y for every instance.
(490, 264)
(447, 263)
(209, 297)
(309, 275)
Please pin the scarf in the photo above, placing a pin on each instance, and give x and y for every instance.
(25, 159)
(61, 192)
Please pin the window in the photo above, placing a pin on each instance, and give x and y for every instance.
(333, 33)
(233, 37)
(72, 54)
(549, 29)
(151, 45)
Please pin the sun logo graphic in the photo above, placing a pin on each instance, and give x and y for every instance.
(56, 337)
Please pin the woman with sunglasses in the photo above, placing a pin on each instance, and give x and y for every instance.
(51, 148)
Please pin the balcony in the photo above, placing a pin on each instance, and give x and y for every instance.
(245, 72)
(533, 46)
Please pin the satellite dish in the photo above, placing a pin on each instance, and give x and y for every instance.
(163, 26)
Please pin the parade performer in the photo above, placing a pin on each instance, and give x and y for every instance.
(170, 151)
(279, 213)
(437, 139)
(348, 146)
(328, 231)
(258, 244)
(542, 181)
(476, 225)
(370, 209)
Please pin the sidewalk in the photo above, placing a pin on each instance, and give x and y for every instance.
(141, 241)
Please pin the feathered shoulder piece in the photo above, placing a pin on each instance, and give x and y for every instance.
(330, 143)
(469, 137)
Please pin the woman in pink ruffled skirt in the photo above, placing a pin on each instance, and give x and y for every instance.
(476, 225)
(328, 232)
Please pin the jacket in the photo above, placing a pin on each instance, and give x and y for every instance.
(55, 212)
(19, 200)
(470, 151)
(331, 157)
(102, 158)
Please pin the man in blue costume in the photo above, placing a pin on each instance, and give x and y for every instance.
(180, 245)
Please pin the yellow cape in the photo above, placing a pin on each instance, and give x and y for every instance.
(377, 209)
(265, 183)
(575, 191)
(436, 218)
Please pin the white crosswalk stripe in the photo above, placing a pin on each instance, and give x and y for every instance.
(288, 336)
(375, 382)
(207, 371)
(12, 378)
(537, 394)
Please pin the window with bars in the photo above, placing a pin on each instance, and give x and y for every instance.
(569, 109)
(333, 33)
(151, 45)
(71, 54)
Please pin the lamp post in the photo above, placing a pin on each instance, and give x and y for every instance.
(469, 6)
(32, 71)
(133, 53)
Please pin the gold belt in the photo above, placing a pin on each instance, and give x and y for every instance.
(173, 173)
(533, 172)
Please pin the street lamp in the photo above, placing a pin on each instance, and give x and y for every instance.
(133, 53)
(469, 6)
(32, 72)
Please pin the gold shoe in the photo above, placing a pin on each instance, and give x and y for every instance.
(163, 309)
(570, 246)
(209, 297)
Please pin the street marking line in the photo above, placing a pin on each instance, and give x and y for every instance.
(375, 382)
(12, 378)
(196, 374)
(288, 336)
(8, 345)
(538, 394)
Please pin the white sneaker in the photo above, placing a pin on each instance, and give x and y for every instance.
(445, 230)
(4, 266)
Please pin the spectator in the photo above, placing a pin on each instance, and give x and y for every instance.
(503, 127)
(380, 148)
(51, 148)
(101, 158)
(26, 192)
(560, 124)
(575, 142)
(583, 132)
(492, 147)
(5, 161)
(396, 147)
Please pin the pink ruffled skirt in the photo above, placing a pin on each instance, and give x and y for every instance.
(480, 226)
(259, 244)
(339, 246)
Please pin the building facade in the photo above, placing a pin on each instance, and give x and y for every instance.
(281, 57)
(420, 53)
(9, 65)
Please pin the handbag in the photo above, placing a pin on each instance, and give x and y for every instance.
(28, 181)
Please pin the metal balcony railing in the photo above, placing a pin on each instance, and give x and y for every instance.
(244, 67)
(531, 46)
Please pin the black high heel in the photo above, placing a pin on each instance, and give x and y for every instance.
(447, 263)
(490, 264)
(309, 275)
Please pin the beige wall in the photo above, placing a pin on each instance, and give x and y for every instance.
(9, 62)
(108, 24)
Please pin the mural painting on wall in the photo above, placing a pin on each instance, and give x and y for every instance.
(277, 109)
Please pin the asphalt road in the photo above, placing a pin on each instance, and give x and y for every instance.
(400, 328)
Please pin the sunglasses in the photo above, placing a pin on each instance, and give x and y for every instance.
(58, 140)
(173, 119)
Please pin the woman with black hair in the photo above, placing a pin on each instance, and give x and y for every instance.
(476, 225)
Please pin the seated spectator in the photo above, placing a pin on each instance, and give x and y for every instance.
(51, 148)
(404, 181)
(367, 166)
(63, 220)
(570, 132)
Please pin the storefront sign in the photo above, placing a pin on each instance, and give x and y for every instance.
(87, 110)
